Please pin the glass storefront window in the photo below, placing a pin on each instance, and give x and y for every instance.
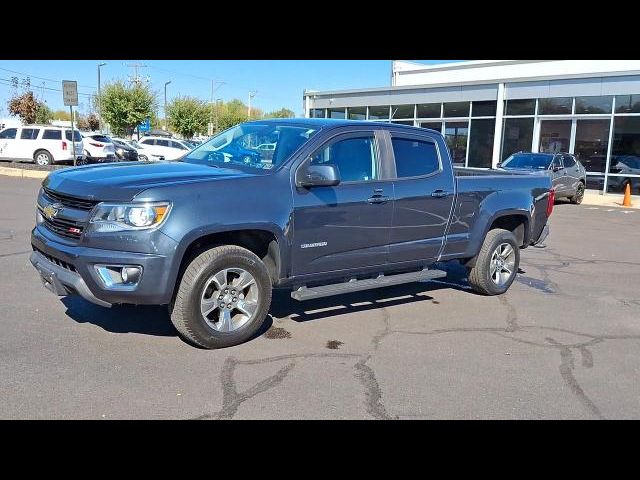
(555, 106)
(481, 142)
(483, 109)
(595, 182)
(379, 113)
(429, 110)
(437, 126)
(517, 136)
(521, 107)
(357, 113)
(316, 113)
(402, 111)
(555, 136)
(592, 141)
(455, 134)
(336, 113)
(627, 103)
(456, 109)
(624, 167)
(593, 105)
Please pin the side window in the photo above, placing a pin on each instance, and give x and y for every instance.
(356, 158)
(162, 143)
(29, 133)
(52, 135)
(415, 158)
(148, 141)
(9, 133)
(177, 145)
(557, 162)
(569, 161)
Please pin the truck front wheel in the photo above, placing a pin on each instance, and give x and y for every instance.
(497, 263)
(223, 298)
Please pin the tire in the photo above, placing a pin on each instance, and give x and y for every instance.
(199, 290)
(480, 276)
(579, 195)
(42, 158)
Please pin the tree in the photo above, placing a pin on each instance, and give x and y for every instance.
(61, 115)
(282, 113)
(188, 116)
(24, 106)
(231, 113)
(43, 113)
(124, 107)
(93, 122)
(82, 123)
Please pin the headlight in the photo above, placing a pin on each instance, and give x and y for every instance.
(131, 216)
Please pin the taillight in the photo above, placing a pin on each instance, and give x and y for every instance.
(551, 201)
(64, 145)
(96, 144)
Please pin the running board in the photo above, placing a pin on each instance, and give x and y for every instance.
(305, 293)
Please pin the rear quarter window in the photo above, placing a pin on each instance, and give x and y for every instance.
(415, 158)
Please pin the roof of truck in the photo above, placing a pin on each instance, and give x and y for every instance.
(332, 122)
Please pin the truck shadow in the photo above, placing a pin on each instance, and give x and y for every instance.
(155, 320)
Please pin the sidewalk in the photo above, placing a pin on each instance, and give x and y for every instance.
(609, 200)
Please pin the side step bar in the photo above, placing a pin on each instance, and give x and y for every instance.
(306, 293)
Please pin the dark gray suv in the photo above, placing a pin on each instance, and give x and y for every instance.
(568, 175)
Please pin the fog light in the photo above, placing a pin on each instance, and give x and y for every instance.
(119, 276)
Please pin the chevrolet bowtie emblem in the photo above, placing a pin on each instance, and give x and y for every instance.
(50, 211)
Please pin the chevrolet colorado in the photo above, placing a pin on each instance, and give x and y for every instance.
(338, 206)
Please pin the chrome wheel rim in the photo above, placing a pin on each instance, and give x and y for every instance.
(580, 193)
(229, 299)
(502, 265)
(42, 159)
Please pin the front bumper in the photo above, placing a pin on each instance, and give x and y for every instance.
(74, 272)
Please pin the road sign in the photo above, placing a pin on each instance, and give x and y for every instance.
(145, 126)
(70, 92)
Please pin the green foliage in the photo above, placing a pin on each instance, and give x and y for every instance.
(124, 107)
(43, 113)
(231, 113)
(82, 123)
(282, 113)
(188, 116)
(61, 115)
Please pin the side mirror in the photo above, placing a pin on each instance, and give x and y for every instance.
(318, 176)
(556, 168)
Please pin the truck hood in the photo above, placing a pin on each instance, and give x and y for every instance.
(123, 181)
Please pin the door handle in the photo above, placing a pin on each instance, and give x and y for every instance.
(378, 199)
(439, 194)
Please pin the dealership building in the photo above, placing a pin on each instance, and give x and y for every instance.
(489, 109)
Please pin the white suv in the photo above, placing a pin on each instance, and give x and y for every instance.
(98, 148)
(169, 148)
(44, 144)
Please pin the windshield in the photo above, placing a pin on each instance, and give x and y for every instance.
(533, 161)
(238, 146)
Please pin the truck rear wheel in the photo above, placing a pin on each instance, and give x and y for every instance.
(223, 298)
(497, 263)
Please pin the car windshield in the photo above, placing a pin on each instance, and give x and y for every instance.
(534, 161)
(101, 138)
(237, 146)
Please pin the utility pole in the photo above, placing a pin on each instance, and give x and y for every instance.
(165, 103)
(251, 95)
(136, 76)
(99, 99)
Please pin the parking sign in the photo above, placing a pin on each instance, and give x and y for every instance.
(70, 92)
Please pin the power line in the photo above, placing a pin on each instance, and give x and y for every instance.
(41, 78)
(10, 83)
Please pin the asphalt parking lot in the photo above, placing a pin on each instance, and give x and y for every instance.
(564, 342)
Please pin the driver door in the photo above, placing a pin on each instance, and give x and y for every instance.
(346, 226)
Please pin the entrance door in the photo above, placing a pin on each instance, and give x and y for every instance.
(555, 136)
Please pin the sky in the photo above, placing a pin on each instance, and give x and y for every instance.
(279, 83)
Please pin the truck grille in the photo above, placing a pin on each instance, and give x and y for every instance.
(68, 201)
(63, 227)
(55, 260)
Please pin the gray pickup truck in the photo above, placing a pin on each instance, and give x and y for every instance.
(336, 207)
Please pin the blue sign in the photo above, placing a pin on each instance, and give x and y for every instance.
(145, 126)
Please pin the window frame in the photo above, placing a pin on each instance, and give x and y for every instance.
(15, 136)
(32, 129)
(418, 137)
(51, 130)
(375, 134)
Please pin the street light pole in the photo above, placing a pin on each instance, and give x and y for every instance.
(100, 99)
(165, 104)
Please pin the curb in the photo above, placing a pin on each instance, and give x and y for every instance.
(22, 173)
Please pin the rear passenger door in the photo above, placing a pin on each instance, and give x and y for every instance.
(558, 176)
(27, 144)
(52, 142)
(424, 195)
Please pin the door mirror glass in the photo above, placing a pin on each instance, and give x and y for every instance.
(326, 175)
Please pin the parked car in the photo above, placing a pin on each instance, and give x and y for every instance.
(569, 177)
(44, 144)
(98, 148)
(266, 149)
(144, 155)
(169, 148)
(344, 206)
(629, 166)
(124, 151)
